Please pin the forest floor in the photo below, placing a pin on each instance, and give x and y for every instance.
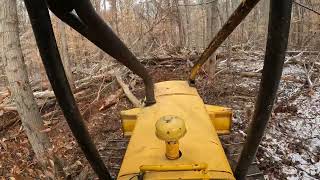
(290, 148)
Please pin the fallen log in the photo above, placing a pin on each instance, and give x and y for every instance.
(78, 96)
(45, 104)
(8, 108)
(46, 98)
(87, 82)
(164, 59)
(250, 74)
(111, 100)
(133, 99)
(80, 85)
(5, 94)
(289, 60)
(92, 79)
(290, 53)
(243, 98)
(51, 114)
(258, 75)
(44, 94)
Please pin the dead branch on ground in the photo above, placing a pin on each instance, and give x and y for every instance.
(111, 100)
(133, 99)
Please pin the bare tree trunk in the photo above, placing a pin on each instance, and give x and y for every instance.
(228, 41)
(187, 25)
(65, 54)
(204, 31)
(18, 80)
(173, 34)
(213, 25)
(294, 39)
(114, 21)
(299, 26)
(209, 24)
(182, 33)
(301, 32)
(256, 19)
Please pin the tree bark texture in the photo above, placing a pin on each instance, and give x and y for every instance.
(18, 80)
(65, 54)
(213, 26)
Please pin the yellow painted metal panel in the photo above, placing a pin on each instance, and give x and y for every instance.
(182, 167)
(221, 118)
(200, 145)
(129, 118)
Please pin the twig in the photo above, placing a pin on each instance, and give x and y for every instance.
(198, 4)
(10, 123)
(100, 88)
(220, 71)
(308, 73)
(87, 112)
(304, 6)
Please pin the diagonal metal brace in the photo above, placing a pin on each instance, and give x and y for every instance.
(234, 20)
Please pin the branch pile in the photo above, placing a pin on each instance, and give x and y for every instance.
(46, 99)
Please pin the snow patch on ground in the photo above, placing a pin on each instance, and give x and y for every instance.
(291, 146)
(294, 141)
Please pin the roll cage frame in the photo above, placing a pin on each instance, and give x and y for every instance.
(81, 16)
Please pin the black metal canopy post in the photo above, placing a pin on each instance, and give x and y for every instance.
(277, 40)
(42, 28)
(88, 23)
